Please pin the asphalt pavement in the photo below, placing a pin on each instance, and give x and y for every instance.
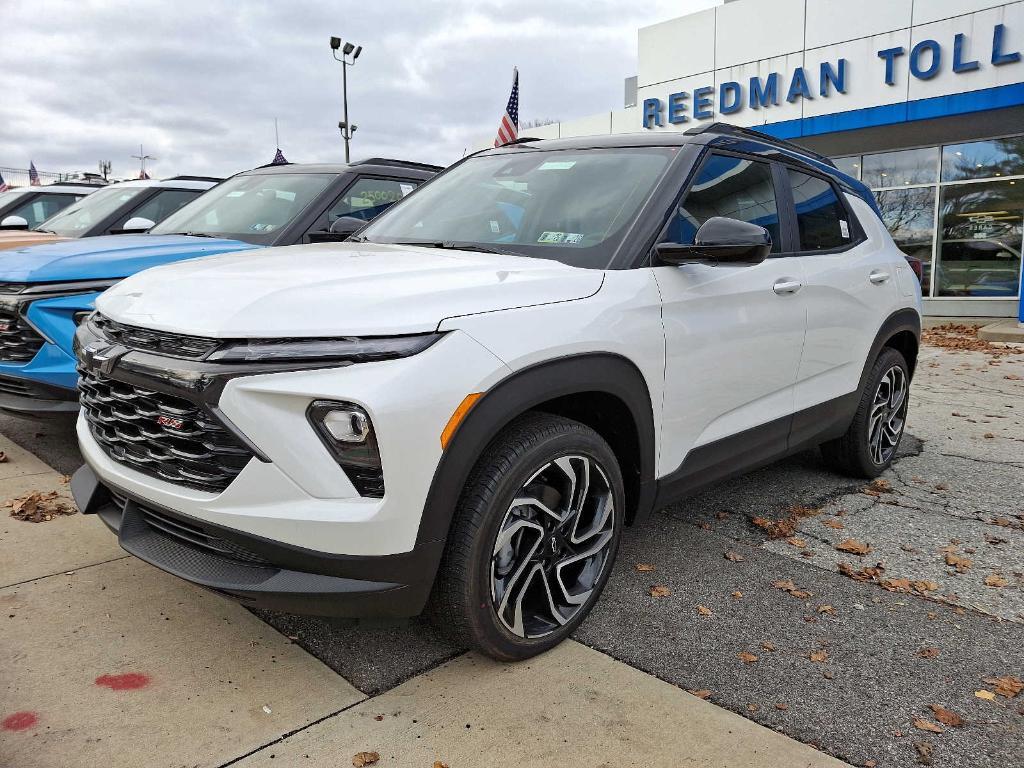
(929, 614)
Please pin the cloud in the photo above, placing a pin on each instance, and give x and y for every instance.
(199, 84)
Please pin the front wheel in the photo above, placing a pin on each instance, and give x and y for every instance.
(869, 445)
(533, 539)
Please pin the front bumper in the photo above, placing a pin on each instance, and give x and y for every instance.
(256, 571)
(26, 397)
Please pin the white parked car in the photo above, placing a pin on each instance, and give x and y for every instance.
(459, 410)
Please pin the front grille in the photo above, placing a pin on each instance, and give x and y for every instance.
(160, 342)
(19, 341)
(189, 533)
(368, 481)
(161, 435)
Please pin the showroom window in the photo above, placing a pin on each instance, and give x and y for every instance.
(959, 208)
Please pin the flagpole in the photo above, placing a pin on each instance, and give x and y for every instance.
(277, 136)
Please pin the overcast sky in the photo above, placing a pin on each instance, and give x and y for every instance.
(199, 83)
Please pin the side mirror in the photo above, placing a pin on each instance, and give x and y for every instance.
(14, 222)
(135, 224)
(720, 240)
(340, 230)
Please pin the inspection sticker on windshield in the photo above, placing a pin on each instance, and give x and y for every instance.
(557, 165)
(560, 237)
(844, 229)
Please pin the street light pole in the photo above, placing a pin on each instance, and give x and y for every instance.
(347, 50)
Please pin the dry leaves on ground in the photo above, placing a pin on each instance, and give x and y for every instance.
(39, 506)
(702, 693)
(867, 573)
(660, 590)
(986, 695)
(827, 609)
(910, 587)
(924, 752)
(782, 707)
(947, 717)
(928, 653)
(926, 725)
(995, 580)
(831, 522)
(644, 567)
(768, 646)
(854, 547)
(786, 585)
(793, 541)
(877, 488)
(776, 529)
(439, 764)
(961, 563)
(734, 557)
(703, 610)
(737, 595)
(361, 759)
(963, 338)
(818, 656)
(746, 657)
(1007, 685)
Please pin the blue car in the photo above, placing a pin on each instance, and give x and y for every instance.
(47, 290)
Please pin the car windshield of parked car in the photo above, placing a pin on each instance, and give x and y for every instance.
(573, 206)
(76, 219)
(253, 208)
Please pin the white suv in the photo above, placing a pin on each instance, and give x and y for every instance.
(458, 410)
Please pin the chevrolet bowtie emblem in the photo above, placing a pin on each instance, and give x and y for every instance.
(101, 357)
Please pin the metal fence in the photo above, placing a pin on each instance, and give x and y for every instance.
(18, 177)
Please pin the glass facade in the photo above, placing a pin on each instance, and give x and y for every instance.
(959, 208)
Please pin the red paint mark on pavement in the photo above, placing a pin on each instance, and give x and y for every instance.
(129, 681)
(20, 721)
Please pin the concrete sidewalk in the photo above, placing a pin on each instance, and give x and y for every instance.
(107, 661)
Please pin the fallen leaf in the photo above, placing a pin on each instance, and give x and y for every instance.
(916, 587)
(793, 541)
(782, 707)
(746, 657)
(819, 656)
(947, 717)
(826, 609)
(703, 693)
(854, 547)
(986, 695)
(784, 584)
(988, 436)
(360, 759)
(768, 646)
(439, 764)
(1012, 377)
(378, 718)
(776, 529)
(870, 764)
(644, 567)
(723, 515)
(928, 653)
(737, 595)
(995, 580)
(924, 752)
(752, 708)
(1007, 685)
(868, 573)
(926, 725)
(961, 563)
(40, 506)
(734, 557)
(831, 522)
(660, 590)
(703, 610)
(941, 487)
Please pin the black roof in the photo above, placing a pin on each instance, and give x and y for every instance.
(194, 178)
(338, 168)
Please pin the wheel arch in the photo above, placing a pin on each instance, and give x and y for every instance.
(900, 331)
(605, 391)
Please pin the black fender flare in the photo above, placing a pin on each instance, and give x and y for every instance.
(520, 392)
(906, 319)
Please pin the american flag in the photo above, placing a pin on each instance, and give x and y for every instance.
(279, 158)
(33, 174)
(508, 128)
(143, 175)
(3, 184)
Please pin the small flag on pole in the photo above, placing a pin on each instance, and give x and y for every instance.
(279, 158)
(143, 175)
(508, 128)
(33, 174)
(3, 184)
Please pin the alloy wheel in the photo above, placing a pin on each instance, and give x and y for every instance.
(888, 415)
(552, 547)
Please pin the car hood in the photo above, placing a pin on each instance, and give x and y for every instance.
(20, 238)
(109, 256)
(338, 289)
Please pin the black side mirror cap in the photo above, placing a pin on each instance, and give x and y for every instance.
(720, 240)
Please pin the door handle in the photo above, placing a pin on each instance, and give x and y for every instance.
(878, 276)
(787, 286)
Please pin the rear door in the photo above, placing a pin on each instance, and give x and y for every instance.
(734, 333)
(851, 285)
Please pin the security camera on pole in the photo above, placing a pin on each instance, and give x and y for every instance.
(347, 50)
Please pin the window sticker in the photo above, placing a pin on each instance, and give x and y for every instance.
(574, 237)
(844, 229)
(406, 188)
(560, 237)
(494, 227)
(557, 165)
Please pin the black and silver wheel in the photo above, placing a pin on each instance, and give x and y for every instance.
(533, 539)
(870, 443)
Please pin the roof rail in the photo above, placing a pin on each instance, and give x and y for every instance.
(193, 178)
(725, 129)
(398, 163)
(96, 183)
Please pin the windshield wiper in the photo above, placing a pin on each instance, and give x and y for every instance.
(452, 245)
(193, 234)
(47, 231)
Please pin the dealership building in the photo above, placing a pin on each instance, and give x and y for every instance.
(923, 100)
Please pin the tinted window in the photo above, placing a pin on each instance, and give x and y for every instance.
(573, 206)
(42, 207)
(76, 219)
(162, 205)
(820, 217)
(730, 187)
(368, 198)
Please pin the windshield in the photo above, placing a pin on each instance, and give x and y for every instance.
(77, 219)
(253, 208)
(572, 206)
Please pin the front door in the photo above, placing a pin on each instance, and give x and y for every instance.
(734, 333)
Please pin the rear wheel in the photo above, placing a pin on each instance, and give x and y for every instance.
(533, 539)
(869, 445)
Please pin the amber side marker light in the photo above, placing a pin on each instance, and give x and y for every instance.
(460, 413)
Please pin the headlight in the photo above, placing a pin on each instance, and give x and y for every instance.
(357, 350)
(346, 431)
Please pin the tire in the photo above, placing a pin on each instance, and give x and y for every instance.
(862, 451)
(480, 584)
